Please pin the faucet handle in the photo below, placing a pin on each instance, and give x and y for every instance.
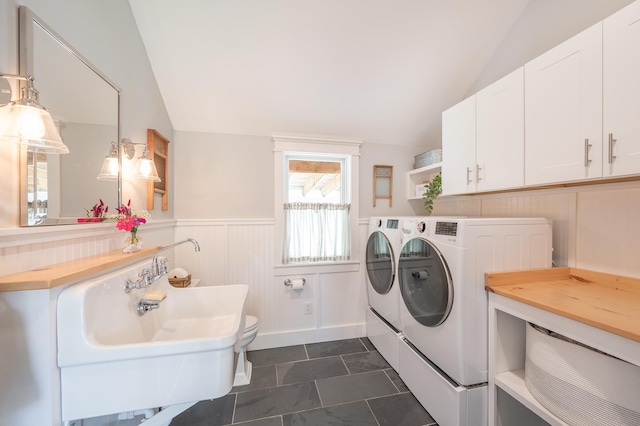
(146, 277)
(163, 266)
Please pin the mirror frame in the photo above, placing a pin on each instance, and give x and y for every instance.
(27, 23)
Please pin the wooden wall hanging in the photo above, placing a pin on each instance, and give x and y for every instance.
(383, 183)
(158, 147)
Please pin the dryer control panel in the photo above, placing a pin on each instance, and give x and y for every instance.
(447, 228)
(392, 223)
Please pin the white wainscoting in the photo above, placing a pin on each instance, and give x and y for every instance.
(25, 249)
(243, 251)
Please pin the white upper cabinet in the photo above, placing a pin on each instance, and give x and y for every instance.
(459, 148)
(482, 139)
(563, 111)
(622, 92)
(500, 134)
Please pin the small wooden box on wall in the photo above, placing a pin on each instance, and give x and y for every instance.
(158, 147)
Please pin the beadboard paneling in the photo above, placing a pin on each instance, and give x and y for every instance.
(608, 234)
(243, 251)
(557, 206)
(27, 249)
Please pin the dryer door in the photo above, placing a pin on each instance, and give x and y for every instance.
(381, 267)
(425, 282)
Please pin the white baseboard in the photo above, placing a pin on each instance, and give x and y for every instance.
(300, 337)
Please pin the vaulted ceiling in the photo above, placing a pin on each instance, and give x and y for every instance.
(377, 70)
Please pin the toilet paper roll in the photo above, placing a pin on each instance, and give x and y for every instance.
(297, 284)
(420, 275)
(178, 273)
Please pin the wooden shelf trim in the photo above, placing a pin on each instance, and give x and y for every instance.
(608, 302)
(63, 273)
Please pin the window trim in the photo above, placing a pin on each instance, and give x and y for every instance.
(283, 145)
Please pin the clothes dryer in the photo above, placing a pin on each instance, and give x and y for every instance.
(443, 357)
(383, 316)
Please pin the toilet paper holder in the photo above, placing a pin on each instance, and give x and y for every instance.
(289, 283)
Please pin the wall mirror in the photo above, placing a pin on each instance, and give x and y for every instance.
(57, 189)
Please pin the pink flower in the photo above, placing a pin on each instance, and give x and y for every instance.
(127, 223)
(128, 220)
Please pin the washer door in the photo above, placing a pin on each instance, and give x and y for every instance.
(381, 267)
(425, 282)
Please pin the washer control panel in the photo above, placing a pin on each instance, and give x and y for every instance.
(392, 223)
(447, 228)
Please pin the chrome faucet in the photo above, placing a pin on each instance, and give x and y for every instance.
(158, 269)
(145, 280)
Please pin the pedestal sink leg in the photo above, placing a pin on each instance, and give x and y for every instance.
(167, 414)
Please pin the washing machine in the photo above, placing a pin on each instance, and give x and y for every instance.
(383, 314)
(443, 353)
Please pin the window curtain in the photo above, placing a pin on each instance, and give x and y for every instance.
(315, 232)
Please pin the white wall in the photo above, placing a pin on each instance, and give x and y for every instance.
(231, 176)
(223, 176)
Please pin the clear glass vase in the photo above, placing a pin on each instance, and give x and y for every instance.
(133, 243)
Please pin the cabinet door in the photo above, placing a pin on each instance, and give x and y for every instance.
(459, 148)
(621, 72)
(500, 134)
(563, 111)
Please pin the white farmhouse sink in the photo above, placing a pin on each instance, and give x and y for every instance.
(113, 360)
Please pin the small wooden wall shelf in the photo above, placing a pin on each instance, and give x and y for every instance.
(63, 273)
(158, 147)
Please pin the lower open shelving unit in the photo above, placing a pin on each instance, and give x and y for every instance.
(510, 401)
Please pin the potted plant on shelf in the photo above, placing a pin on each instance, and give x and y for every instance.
(433, 188)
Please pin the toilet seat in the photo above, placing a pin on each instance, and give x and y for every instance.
(250, 323)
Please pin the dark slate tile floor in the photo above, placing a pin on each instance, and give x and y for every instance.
(341, 383)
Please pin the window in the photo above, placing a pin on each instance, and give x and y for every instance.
(316, 209)
(316, 183)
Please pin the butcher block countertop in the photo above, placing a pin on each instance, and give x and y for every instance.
(63, 273)
(608, 302)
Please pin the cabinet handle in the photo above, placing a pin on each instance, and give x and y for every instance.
(468, 176)
(587, 146)
(478, 168)
(612, 141)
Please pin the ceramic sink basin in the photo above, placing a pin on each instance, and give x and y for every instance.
(113, 360)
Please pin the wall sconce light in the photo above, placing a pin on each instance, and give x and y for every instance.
(27, 122)
(110, 166)
(145, 168)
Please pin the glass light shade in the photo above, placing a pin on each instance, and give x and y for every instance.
(27, 122)
(146, 169)
(110, 165)
(31, 125)
(109, 169)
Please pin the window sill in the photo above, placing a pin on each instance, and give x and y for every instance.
(316, 267)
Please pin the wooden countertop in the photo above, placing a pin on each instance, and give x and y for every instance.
(63, 273)
(608, 302)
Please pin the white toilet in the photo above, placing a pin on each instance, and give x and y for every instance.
(243, 370)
